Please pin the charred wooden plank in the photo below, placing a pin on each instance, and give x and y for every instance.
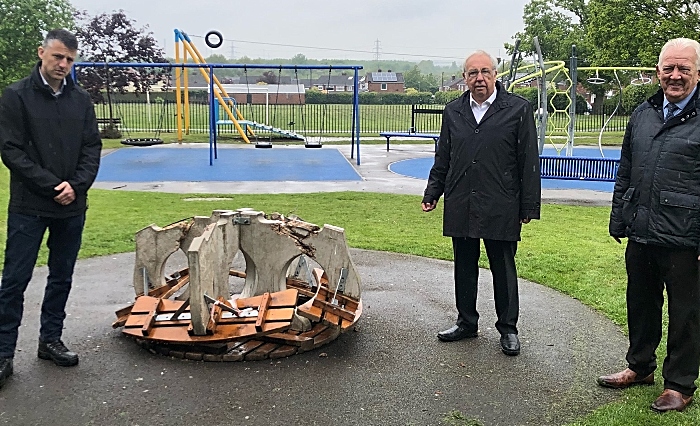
(262, 311)
(261, 352)
(334, 309)
(151, 318)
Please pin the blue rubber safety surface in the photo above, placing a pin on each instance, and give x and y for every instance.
(241, 164)
(419, 168)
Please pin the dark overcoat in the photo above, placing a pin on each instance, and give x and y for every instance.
(489, 172)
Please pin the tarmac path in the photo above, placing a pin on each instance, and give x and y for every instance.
(390, 370)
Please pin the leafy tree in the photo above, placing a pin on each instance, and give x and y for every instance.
(114, 38)
(555, 28)
(607, 32)
(412, 78)
(632, 33)
(298, 59)
(268, 77)
(22, 30)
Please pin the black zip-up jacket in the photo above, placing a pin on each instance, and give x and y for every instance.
(489, 172)
(45, 140)
(657, 190)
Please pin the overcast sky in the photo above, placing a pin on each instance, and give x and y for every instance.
(441, 31)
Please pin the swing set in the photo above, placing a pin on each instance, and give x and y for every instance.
(220, 100)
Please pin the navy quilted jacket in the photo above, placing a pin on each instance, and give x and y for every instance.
(657, 190)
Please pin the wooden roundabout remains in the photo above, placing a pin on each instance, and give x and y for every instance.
(285, 307)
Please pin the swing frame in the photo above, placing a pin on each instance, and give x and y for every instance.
(355, 137)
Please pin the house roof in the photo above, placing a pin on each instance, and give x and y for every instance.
(335, 80)
(453, 82)
(384, 77)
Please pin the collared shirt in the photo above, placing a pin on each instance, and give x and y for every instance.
(60, 89)
(681, 105)
(480, 110)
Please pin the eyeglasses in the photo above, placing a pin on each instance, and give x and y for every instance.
(668, 69)
(486, 72)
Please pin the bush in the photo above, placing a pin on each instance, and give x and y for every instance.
(561, 101)
(111, 131)
(633, 96)
(315, 96)
(447, 97)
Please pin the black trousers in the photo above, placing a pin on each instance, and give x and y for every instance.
(649, 268)
(501, 256)
(24, 237)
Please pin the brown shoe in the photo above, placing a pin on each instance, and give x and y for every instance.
(671, 400)
(625, 379)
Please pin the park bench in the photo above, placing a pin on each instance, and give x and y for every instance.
(389, 135)
(579, 168)
(105, 121)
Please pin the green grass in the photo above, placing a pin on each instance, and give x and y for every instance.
(568, 250)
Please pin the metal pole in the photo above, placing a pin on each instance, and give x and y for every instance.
(178, 89)
(542, 113)
(212, 119)
(356, 113)
(573, 63)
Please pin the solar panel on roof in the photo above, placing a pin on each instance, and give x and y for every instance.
(384, 76)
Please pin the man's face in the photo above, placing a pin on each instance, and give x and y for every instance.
(56, 61)
(480, 77)
(678, 73)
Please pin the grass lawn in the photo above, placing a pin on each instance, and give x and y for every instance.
(568, 250)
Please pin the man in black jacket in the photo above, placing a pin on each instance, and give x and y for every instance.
(487, 166)
(50, 143)
(656, 205)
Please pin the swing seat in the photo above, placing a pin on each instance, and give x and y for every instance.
(263, 144)
(142, 141)
(313, 145)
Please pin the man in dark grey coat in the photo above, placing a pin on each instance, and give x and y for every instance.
(656, 205)
(487, 166)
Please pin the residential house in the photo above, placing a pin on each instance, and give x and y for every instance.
(454, 83)
(329, 83)
(384, 82)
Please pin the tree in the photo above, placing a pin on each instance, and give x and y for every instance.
(113, 38)
(22, 30)
(632, 32)
(554, 27)
(268, 77)
(413, 78)
(607, 32)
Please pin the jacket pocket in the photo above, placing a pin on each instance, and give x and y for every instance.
(678, 213)
(629, 209)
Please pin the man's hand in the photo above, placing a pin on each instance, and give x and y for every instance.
(526, 220)
(66, 194)
(428, 206)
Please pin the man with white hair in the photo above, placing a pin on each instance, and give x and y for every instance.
(487, 167)
(656, 205)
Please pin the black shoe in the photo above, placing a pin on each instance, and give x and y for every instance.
(58, 353)
(456, 333)
(510, 345)
(5, 369)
